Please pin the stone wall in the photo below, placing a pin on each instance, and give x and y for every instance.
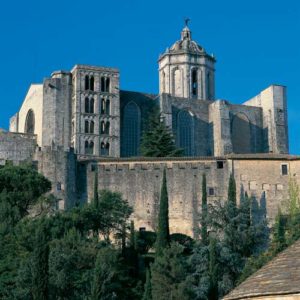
(140, 181)
(16, 147)
(59, 167)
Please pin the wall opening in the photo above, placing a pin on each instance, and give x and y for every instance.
(30, 122)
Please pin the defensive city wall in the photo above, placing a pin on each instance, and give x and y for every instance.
(265, 177)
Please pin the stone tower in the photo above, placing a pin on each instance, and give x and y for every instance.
(186, 70)
(95, 124)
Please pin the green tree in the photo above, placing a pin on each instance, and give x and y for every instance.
(71, 261)
(232, 189)
(213, 270)
(204, 234)
(96, 194)
(105, 284)
(39, 265)
(157, 140)
(163, 233)
(147, 288)
(20, 189)
(168, 274)
(279, 237)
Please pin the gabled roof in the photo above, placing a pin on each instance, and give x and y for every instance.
(279, 277)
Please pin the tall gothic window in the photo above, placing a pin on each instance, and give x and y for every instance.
(185, 129)
(30, 122)
(194, 83)
(131, 130)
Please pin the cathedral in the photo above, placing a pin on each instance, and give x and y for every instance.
(80, 122)
(86, 109)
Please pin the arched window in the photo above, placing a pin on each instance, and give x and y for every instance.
(163, 81)
(102, 84)
(87, 105)
(107, 85)
(240, 134)
(86, 82)
(86, 126)
(107, 107)
(30, 122)
(107, 127)
(102, 106)
(194, 83)
(131, 130)
(92, 83)
(185, 129)
(104, 149)
(91, 106)
(92, 125)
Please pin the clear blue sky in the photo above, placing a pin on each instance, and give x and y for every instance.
(256, 43)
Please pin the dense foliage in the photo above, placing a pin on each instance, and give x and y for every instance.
(93, 251)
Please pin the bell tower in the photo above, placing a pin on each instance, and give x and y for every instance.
(186, 70)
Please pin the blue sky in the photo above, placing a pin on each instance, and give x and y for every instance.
(256, 43)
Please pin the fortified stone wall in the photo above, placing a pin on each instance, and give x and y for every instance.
(16, 147)
(261, 176)
(59, 167)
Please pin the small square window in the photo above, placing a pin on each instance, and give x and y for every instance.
(284, 170)
(142, 229)
(220, 164)
(211, 191)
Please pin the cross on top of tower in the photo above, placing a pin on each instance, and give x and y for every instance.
(186, 21)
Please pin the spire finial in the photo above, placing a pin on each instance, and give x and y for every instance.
(186, 21)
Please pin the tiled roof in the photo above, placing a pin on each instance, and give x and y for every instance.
(281, 276)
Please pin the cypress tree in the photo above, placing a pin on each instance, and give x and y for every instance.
(40, 266)
(213, 270)
(232, 190)
(147, 288)
(158, 140)
(204, 235)
(96, 194)
(132, 236)
(279, 239)
(163, 233)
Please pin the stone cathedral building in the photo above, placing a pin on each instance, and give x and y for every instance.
(80, 121)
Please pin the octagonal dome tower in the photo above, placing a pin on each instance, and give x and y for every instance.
(186, 70)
